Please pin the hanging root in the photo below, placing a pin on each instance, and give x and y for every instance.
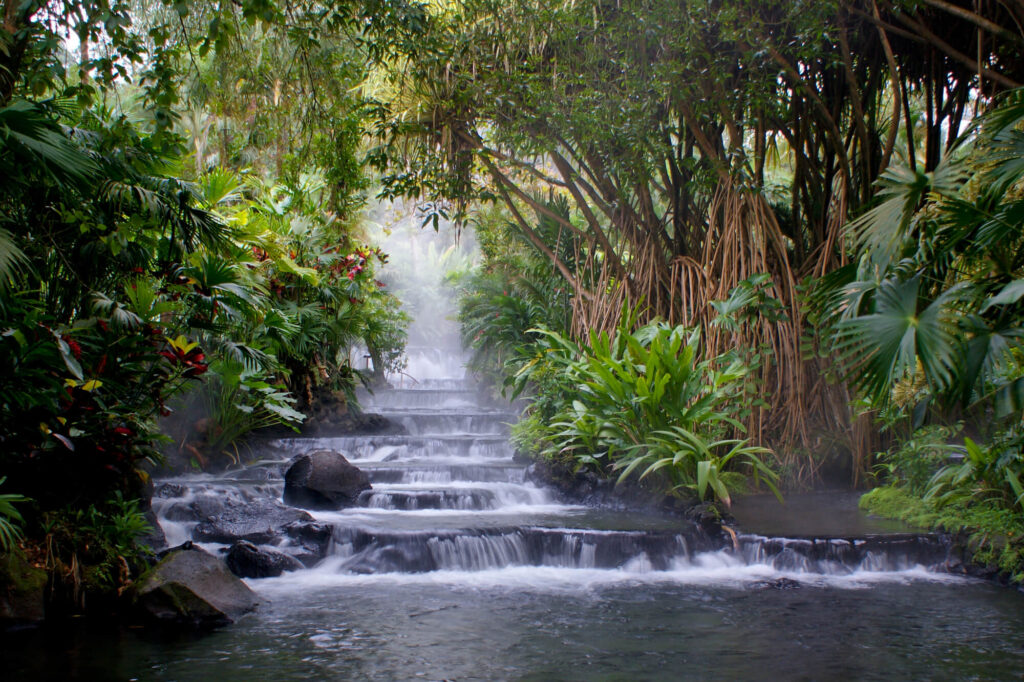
(741, 238)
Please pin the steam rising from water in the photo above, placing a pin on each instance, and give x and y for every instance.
(420, 260)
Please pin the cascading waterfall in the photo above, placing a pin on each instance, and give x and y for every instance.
(448, 499)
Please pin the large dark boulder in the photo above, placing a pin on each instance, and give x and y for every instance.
(193, 589)
(258, 520)
(323, 479)
(246, 560)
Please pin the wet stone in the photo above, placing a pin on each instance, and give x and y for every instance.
(260, 521)
(170, 490)
(246, 560)
(308, 541)
(191, 588)
(777, 584)
(324, 479)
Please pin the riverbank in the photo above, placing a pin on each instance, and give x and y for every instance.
(987, 539)
(982, 542)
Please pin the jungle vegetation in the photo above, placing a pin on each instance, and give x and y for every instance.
(724, 243)
(827, 193)
(182, 260)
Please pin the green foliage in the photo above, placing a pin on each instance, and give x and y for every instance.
(937, 290)
(136, 255)
(747, 302)
(123, 283)
(993, 533)
(79, 405)
(643, 402)
(10, 518)
(96, 547)
(527, 435)
(238, 402)
(993, 472)
(912, 462)
(931, 327)
(896, 502)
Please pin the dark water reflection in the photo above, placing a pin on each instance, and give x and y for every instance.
(624, 631)
(831, 513)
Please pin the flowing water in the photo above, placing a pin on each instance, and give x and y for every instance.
(456, 566)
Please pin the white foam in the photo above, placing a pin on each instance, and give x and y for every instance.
(707, 571)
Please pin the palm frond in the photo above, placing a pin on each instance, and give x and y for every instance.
(28, 135)
(13, 261)
(904, 328)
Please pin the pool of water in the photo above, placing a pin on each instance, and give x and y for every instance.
(534, 625)
(826, 513)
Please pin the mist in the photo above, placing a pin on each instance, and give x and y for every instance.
(420, 262)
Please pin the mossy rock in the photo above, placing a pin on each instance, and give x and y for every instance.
(22, 589)
(191, 589)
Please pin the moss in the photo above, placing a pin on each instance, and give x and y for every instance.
(897, 503)
(22, 588)
(993, 534)
(17, 573)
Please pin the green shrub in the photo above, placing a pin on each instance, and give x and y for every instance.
(914, 462)
(10, 518)
(991, 473)
(95, 548)
(643, 402)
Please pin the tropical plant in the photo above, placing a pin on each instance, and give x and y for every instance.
(913, 461)
(940, 277)
(644, 402)
(985, 472)
(94, 548)
(931, 327)
(10, 518)
(240, 401)
(696, 144)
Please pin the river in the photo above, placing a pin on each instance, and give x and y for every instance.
(457, 567)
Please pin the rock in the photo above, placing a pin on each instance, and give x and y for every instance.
(193, 589)
(155, 538)
(188, 544)
(170, 490)
(777, 584)
(22, 590)
(308, 542)
(332, 419)
(259, 521)
(323, 479)
(179, 511)
(246, 560)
